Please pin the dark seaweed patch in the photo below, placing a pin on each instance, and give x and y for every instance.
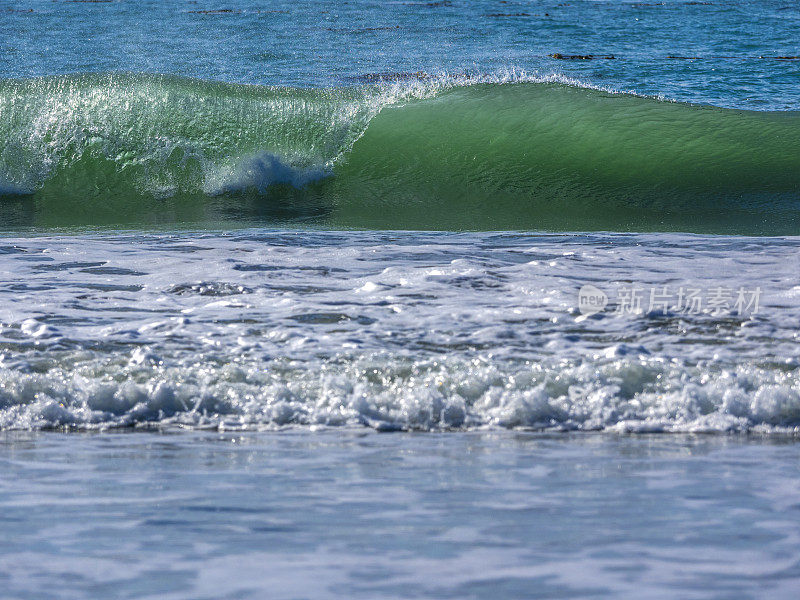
(440, 4)
(560, 56)
(219, 11)
(519, 14)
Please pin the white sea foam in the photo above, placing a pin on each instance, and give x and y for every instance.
(259, 172)
(638, 395)
(423, 331)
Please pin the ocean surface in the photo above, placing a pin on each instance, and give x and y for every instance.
(354, 514)
(425, 299)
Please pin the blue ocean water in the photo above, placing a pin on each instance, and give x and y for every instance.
(357, 515)
(291, 299)
(724, 52)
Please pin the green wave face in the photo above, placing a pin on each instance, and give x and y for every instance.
(138, 149)
(142, 150)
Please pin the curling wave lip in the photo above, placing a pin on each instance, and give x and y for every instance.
(488, 153)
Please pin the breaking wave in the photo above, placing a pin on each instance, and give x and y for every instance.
(494, 152)
(625, 394)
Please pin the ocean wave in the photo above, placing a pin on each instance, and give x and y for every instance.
(503, 151)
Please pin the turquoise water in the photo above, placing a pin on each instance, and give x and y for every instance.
(292, 299)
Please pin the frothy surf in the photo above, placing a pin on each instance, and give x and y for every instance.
(263, 330)
(624, 395)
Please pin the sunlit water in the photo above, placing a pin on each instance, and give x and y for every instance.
(209, 313)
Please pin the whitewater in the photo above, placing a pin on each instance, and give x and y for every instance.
(259, 329)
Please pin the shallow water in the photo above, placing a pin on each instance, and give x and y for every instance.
(345, 514)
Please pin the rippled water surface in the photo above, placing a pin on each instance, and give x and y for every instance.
(720, 52)
(337, 515)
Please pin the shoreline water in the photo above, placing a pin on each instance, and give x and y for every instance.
(260, 329)
(364, 515)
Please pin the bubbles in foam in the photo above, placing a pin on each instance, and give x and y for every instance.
(426, 331)
(630, 395)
